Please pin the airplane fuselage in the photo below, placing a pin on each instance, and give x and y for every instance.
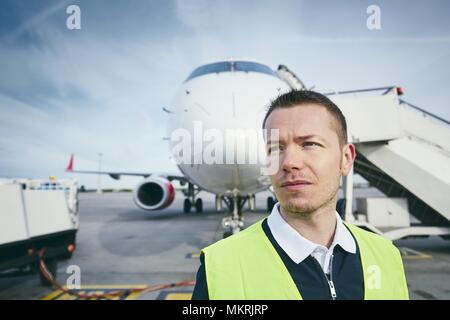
(214, 103)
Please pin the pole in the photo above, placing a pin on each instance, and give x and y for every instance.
(99, 188)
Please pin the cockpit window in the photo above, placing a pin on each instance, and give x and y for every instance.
(231, 66)
(253, 67)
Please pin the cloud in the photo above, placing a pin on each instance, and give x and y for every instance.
(36, 20)
(60, 98)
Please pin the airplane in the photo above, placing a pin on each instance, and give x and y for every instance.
(219, 96)
(390, 136)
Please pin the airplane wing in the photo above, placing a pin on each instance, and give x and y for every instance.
(116, 175)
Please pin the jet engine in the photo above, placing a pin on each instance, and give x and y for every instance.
(154, 193)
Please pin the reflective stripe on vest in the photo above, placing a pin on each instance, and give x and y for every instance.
(247, 266)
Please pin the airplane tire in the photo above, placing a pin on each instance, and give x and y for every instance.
(199, 205)
(231, 206)
(187, 206)
(227, 233)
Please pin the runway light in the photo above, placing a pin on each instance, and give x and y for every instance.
(70, 248)
(399, 90)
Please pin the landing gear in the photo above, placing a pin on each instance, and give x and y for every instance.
(227, 233)
(219, 200)
(252, 202)
(191, 201)
(187, 206)
(199, 205)
(235, 222)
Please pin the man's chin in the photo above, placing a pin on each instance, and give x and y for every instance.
(298, 208)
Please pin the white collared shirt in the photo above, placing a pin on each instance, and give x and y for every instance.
(299, 248)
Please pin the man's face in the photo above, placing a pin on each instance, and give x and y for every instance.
(311, 159)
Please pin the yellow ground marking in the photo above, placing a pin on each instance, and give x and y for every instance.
(96, 289)
(179, 296)
(411, 254)
(194, 255)
(175, 295)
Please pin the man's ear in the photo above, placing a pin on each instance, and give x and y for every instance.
(348, 157)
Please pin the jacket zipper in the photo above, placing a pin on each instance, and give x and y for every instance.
(328, 280)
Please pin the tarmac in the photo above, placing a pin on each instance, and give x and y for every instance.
(120, 247)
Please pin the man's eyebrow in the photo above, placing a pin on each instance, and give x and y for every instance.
(297, 138)
(307, 137)
(274, 141)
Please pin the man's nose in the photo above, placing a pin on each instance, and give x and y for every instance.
(293, 159)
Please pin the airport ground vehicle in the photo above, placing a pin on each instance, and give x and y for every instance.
(37, 217)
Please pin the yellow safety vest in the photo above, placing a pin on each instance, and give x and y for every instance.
(247, 266)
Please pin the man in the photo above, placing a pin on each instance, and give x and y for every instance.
(303, 250)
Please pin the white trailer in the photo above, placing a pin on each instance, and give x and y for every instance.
(37, 215)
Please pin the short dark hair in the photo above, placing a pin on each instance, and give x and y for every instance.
(301, 97)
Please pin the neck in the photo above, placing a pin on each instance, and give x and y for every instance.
(318, 226)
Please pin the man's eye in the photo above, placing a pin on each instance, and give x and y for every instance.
(274, 149)
(310, 144)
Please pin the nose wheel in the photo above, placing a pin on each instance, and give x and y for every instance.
(235, 223)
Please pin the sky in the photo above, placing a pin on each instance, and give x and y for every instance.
(102, 88)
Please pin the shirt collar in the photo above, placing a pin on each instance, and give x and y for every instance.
(299, 248)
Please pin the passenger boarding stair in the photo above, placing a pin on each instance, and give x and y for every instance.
(403, 151)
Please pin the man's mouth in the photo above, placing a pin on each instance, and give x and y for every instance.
(295, 184)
